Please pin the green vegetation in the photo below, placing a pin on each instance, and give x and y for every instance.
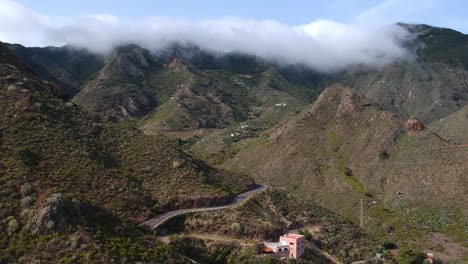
(274, 212)
(410, 256)
(66, 174)
(73, 185)
(442, 44)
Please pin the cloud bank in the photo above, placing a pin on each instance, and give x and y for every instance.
(323, 44)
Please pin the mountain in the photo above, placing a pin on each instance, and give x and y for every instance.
(427, 90)
(132, 81)
(87, 182)
(454, 127)
(93, 142)
(68, 67)
(344, 148)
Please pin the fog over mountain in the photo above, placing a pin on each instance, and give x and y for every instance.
(324, 45)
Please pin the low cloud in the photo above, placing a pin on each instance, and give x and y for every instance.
(323, 44)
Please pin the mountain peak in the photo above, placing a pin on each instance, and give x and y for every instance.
(343, 100)
(178, 65)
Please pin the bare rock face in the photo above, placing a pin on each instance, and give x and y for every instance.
(7, 70)
(54, 212)
(184, 92)
(176, 164)
(414, 125)
(177, 65)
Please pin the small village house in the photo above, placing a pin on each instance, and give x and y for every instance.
(290, 245)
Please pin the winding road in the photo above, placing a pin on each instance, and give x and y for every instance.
(160, 219)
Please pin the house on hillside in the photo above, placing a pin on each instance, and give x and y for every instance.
(289, 245)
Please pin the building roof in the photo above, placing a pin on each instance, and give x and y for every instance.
(272, 244)
(296, 236)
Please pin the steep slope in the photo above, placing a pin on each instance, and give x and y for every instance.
(187, 108)
(428, 90)
(345, 148)
(132, 81)
(68, 67)
(66, 173)
(440, 44)
(118, 90)
(431, 86)
(453, 127)
(219, 98)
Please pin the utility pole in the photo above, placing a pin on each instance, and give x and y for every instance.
(361, 217)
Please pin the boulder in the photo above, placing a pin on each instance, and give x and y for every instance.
(414, 125)
(54, 212)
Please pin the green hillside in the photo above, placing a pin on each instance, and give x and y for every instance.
(73, 185)
(345, 148)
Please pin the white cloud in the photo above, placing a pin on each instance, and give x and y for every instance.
(324, 45)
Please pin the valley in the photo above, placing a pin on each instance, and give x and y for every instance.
(219, 152)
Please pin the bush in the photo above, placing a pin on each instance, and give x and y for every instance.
(26, 189)
(28, 157)
(389, 245)
(348, 172)
(307, 235)
(384, 155)
(12, 226)
(27, 201)
(236, 228)
(410, 256)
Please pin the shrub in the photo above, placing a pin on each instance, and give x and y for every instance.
(384, 155)
(12, 226)
(27, 201)
(236, 228)
(26, 189)
(348, 172)
(307, 235)
(28, 157)
(389, 245)
(410, 256)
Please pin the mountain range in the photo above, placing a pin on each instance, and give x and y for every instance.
(93, 144)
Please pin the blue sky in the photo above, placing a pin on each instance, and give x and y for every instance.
(450, 13)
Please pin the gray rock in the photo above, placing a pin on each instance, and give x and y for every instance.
(55, 211)
(12, 88)
(176, 164)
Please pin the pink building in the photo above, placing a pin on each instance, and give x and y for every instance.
(291, 245)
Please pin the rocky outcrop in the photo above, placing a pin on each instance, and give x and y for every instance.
(54, 213)
(414, 125)
(177, 65)
(127, 62)
(184, 92)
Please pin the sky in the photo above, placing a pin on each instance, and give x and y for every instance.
(444, 13)
(326, 35)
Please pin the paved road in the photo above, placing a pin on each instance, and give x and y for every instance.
(160, 219)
